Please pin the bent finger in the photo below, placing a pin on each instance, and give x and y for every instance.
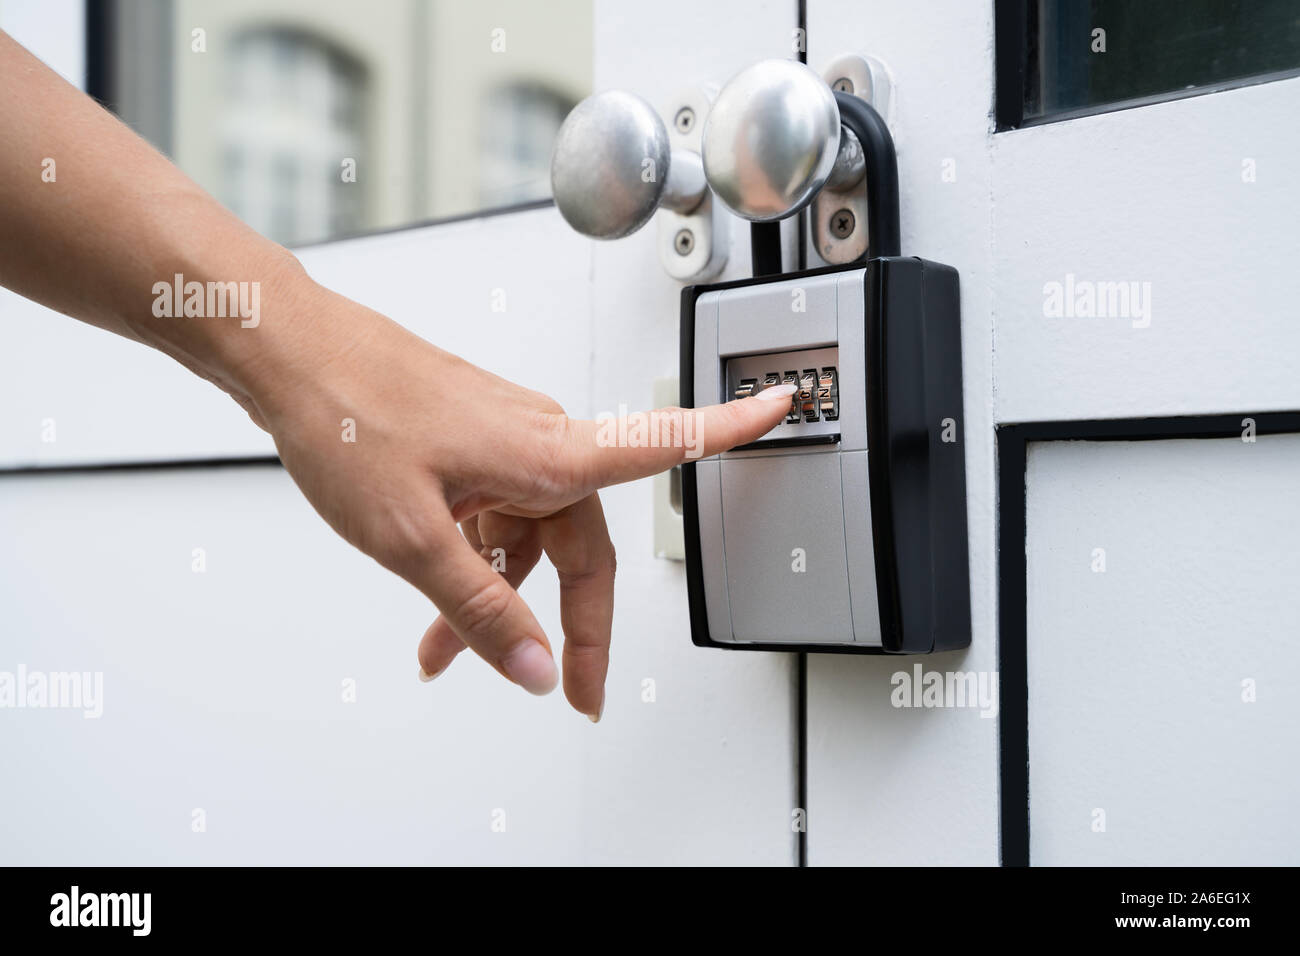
(577, 542)
(485, 611)
(511, 547)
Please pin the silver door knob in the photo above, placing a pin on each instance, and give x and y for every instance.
(771, 140)
(613, 166)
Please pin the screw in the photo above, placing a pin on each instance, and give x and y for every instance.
(684, 120)
(842, 224)
(843, 85)
(684, 242)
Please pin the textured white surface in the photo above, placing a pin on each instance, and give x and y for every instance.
(1135, 673)
(1151, 195)
(223, 691)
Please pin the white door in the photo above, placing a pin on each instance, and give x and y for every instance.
(274, 695)
(1136, 705)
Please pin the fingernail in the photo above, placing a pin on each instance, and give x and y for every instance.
(775, 393)
(600, 711)
(425, 676)
(530, 666)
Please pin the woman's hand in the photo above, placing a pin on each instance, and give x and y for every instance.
(395, 442)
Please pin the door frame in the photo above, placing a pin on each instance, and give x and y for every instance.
(1011, 75)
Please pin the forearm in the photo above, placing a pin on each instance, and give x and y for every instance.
(95, 223)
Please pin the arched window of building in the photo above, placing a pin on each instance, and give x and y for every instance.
(294, 113)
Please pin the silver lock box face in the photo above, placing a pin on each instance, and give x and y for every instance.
(843, 528)
(782, 562)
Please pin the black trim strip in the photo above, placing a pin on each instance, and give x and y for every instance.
(1013, 680)
(831, 439)
(765, 248)
(101, 36)
(170, 464)
(1010, 38)
(801, 742)
(801, 667)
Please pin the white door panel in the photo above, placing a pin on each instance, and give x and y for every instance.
(223, 691)
(635, 339)
(913, 786)
(1152, 195)
(1137, 701)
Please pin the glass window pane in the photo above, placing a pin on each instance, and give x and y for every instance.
(315, 119)
(1085, 57)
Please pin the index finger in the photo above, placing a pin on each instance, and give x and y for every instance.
(614, 450)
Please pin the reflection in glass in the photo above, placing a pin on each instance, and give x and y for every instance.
(1082, 56)
(314, 119)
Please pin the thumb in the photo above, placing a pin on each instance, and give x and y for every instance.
(615, 450)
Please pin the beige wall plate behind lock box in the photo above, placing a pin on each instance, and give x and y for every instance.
(668, 488)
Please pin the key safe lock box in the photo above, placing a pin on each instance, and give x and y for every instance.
(844, 528)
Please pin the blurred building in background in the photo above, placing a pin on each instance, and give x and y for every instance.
(442, 107)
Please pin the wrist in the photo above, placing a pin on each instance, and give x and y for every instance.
(271, 354)
(249, 323)
(305, 348)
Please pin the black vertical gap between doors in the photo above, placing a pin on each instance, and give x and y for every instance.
(801, 676)
(1013, 684)
(1012, 452)
(1010, 51)
(101, 35)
